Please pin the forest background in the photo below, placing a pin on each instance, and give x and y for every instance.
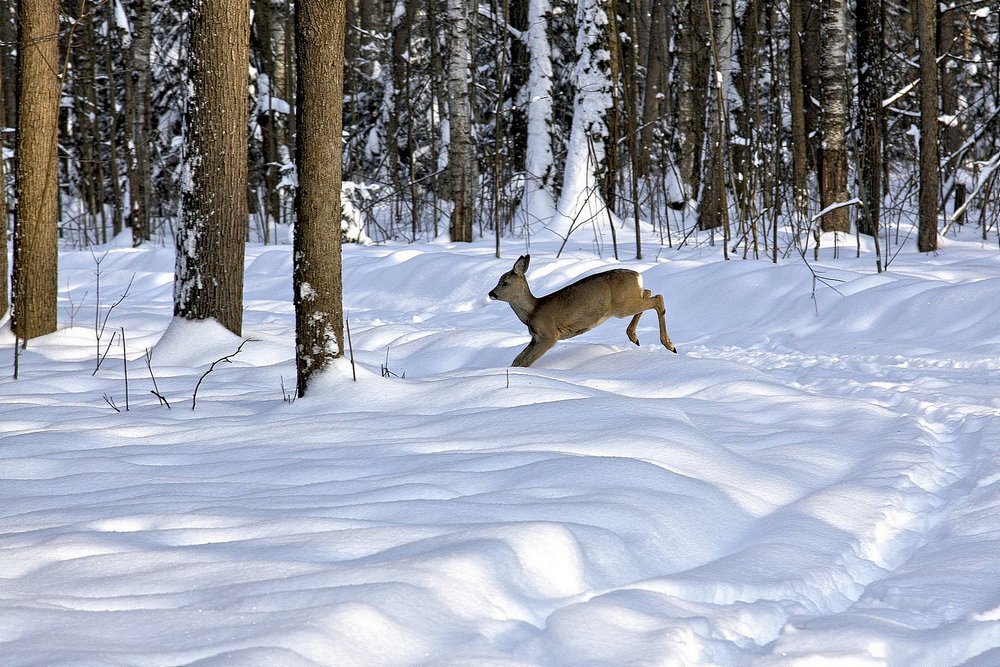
(765, 123)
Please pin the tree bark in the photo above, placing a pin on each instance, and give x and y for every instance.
(35, 280)
(833, 175)
(211, 238)
(318, 286)
(713, 210)
(4, 287)
(692, 95)
(142, 134)
(462, 176)
(871, 88)
(927, 32)
(800, 160)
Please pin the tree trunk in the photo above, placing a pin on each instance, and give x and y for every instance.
(656, 97)
(927, 31)
(713, 210)
(462, 176)
(538, 202)
(871, 90)
(833, 176)
(692, 95)
(34, 281)
(142, 134)
(4, 287)
(951, 140)
(318, 287)
(211, 238)
(800, 160)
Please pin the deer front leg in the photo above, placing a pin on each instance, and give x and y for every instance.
(536, 348)
(661, 310)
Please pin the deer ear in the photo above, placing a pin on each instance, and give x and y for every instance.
(521, 265)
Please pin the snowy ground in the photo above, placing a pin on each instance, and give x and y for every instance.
(810, 481)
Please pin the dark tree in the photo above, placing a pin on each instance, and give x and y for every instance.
(319, 38)
(211, 237)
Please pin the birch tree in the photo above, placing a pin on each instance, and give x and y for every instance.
(462, 170)
(34, 281)
(833, 72)
(211, 239)
(714, 206)
(318, 287)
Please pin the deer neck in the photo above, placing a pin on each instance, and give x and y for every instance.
(525, 307)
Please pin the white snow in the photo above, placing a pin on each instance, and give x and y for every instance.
(814, 479)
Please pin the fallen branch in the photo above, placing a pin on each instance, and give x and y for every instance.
(227, 359)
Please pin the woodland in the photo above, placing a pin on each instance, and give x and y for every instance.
(206, 125)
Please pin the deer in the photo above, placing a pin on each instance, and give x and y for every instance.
(577, 307)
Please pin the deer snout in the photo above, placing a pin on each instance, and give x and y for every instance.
(493, 295)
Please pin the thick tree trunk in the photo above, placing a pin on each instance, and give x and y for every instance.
(211, 238)
(34, 281)
(927, 31)
(318, 287)
(833, 175)
(462, 176)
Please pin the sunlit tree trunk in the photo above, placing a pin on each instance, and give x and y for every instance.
(833, 176)
(34, 281)
(691, 90)
(713, 209)
(211, 237)
(318, 287)
(462, 172)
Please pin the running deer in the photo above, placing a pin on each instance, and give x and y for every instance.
(576, 308)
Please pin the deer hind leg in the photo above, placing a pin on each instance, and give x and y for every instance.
(650, 302)
(630, 330)
(535, 349)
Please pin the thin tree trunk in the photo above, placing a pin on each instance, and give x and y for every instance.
(4, 268)
(833, 176)
(927, 20)
(35, 282)
(870, 94)
(318, 287)
(141, 123)
(211, 240)
(713, 210)
(797, 91)
(692, 95)
(462, 175)
(950, 101)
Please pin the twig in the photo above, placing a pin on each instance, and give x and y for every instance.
(110, 400)
(125, 368)
(101, 357)
(155, 391)
(227, 359)
(350, 347)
